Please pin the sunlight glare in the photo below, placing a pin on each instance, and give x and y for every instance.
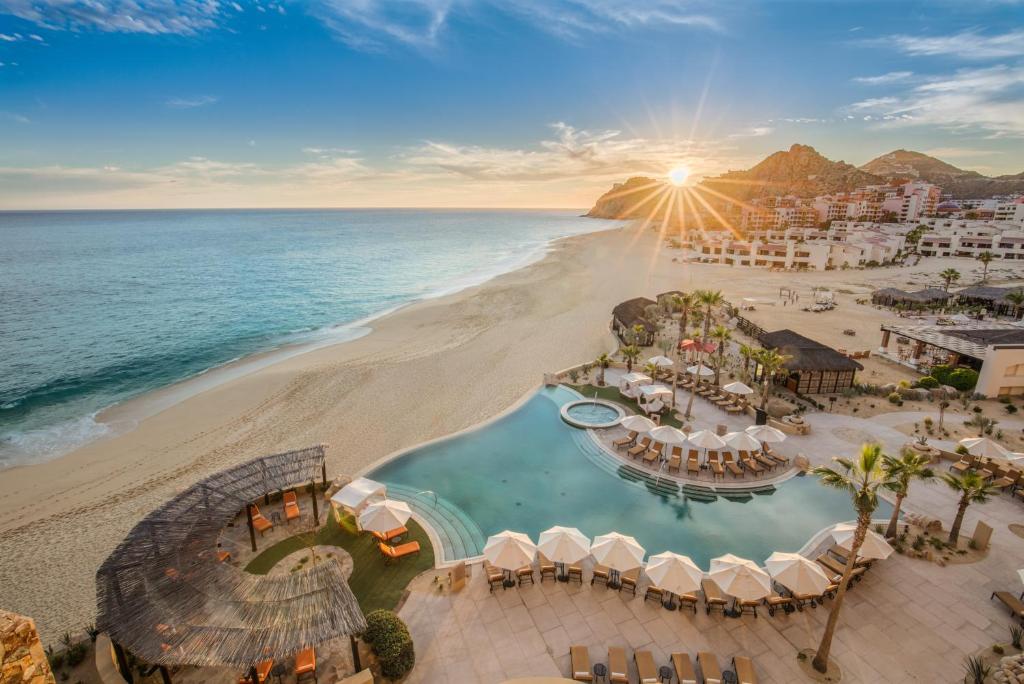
(679, 175)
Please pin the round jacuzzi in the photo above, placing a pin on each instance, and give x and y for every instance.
(592, 413)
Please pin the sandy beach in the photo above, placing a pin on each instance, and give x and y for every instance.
(427, 370)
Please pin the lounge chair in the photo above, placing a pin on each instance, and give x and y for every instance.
(744, 668)
(766, 462)
(600, 575)
(675, 459)
(524, 573)
(731, 465)
(655, 593)
(778, 458)
(640, 448)
(547, 568)
(689, 600)
(964, 464)
(716, 467)
(495, 577)
(390, 534)
(840, 554)
(618, 672)
(259, 522)
(831, 564)
(801, 600)
(1008, 480)
(709, 667)
(629, 580)
(645, 668)
(744, 606)
(1011, 602)
(393, 553)
(579, 656)
(627, 440)
(734, 408)
(262, 672)
(692, 464)
(305, 664)
(752, 465)
(774, 602)
(654, 453)
(291, 507)
(576, 573)
(683, 666)
(713, 596)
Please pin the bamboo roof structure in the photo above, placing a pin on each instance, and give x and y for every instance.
(163, 595)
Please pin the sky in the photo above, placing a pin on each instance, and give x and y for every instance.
(482, 103)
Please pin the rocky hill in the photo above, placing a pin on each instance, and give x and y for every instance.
(628, 200)
(957, 182)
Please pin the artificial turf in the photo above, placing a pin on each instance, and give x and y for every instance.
(374, 583)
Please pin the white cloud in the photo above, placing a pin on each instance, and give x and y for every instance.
(10, 37)
(959, 152)
(14, 116)
(371, 24)
(753, 132)
(966, 44)
(192, 102)
(885, 79)
(183, 17)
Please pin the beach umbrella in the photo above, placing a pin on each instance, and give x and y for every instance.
(740, 577)
(741, 441)
(619, 552)
(705, 439)
(384, 516)
(690, 345)
(661, 361)
(984, 447)
(674, 573)
(635, 377)
(766, 433)
(652, 391)
(702, 370)
(1015, 456)
(666, 434)
(509, 550)
(737, 388)
(637, 423)
(563, 545)
(357, 493)
(874, 545)
(798, 574)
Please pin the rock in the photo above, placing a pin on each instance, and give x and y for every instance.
(888, 388)
(951, 392)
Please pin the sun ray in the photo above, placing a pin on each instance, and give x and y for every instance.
(721, 219)
(639, 188)
(662, 230)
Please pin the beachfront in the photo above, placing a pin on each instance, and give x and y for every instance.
(349, 394)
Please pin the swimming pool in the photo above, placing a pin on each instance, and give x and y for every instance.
(529, 470)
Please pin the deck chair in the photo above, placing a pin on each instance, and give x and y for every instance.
(305, 664)
(645, 668)
(576, 573)
(654, 453)
(627, 440)
(688, 600)
(618, 672)
(1011, 602)
(495, 577)
(731, 465)
(692, 464)
(675, 459)
(547, 568)
(262, 672)
(524, 573)
(654, 593)
(713, 596)
(393, 553)
(1009, 479)
(291, 507)
(390, 534)
(744, 668)
(709, 667)
(752, 465)
(579, 656)
(778, 458)
(629, 580)
(774, 602)
(716, 466)
(600, 575)
(640, 448)
(259, 522)
(964, 464)
(683, 666)
(745, 606)
(763, 460)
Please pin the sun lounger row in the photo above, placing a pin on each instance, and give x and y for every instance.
(617, 670)
(718, 463)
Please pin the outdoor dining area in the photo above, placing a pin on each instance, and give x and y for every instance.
(996, 464)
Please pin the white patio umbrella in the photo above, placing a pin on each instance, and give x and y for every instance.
(649, 392)
(1015, 456)
(509, 551)
(798, 574)
(619, 552)
(737, 388)
(674, 573)
(703, 371)
(666, 434)
(661, 361)
(705, 439)
(985, 447)
(741, 441)
(766, 433)
(384, 516)
(563, 545)
(636, 377)
(637, 423)
(874, 546)
(740, 578)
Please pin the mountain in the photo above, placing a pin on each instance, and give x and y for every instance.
(955, 181)
(628, 200)
(799, 171)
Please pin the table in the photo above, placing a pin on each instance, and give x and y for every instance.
(729, 677)
(600, 671)
(665, 674)
(279, 671)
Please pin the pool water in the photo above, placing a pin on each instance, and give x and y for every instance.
(529, 470)
(593, 413)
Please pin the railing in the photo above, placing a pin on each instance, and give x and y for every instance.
(750, 328)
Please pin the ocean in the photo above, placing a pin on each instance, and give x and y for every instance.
(98, 307)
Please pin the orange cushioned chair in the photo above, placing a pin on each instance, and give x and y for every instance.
(400, 551)
(259, 522)
(305, 664)
(291, 507)
(262, 672)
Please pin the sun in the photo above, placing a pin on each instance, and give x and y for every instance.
(678, 175)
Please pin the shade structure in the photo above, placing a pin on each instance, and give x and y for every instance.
(666, 434)
(741, 441)
(564, 544)
(673, 572)
(705, 439)
(740, 577)
(661, 361)
(650, 392)
(637, 423)
(737, 388)
(984, 447)
(635, 378)
(358, 493)
(766, 433)
(698, 345)
(798, 574)
(1015, 456)
(509, 550)
(874, 546)
(701, 370)
(617, 551)
(384, 516)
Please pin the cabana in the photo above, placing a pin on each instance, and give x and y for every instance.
(357, 494)
(630, 383)
(918, 299)
(630, 314)
(164, 595)
(812, 368)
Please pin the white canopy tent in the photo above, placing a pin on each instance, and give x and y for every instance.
(384, 516)
(357, 494)
(661, 361)
(630, 383)
(738, 388)
(984, 447)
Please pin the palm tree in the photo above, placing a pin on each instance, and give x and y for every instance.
(746, 353)
(972, 488)
(862, 479)
(630, 353)
(721, 335)
(983, 423)
(707, 299)
(949, 276)
(943, 405)
(902, 471)
(683, 303)
(1017, 299)
(985, 258)
(603, 361)
(771, 363)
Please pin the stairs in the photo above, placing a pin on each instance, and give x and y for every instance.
(460, 536)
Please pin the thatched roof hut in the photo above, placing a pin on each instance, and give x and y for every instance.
(929, 296)
(163, 595)
(813, 367)
(631, 313)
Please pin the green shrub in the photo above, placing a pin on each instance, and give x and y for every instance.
(894, 398)
(1016, 633)
(389, 638)
(963, 379)
(928, 382)
(998, 649)
(1011, 409)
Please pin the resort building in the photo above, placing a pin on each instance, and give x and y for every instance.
(812, 368)
(995, 350)
(630, 314)
(814, 250)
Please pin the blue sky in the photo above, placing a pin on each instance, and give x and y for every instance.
(152, 103)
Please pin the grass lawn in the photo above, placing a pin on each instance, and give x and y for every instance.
(611, 393)
(374, 583)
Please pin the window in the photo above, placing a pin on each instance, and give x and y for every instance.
(1015, 371)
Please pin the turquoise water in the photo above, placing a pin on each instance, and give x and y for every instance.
(530, 470)
(101, 306)
(593, 414)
